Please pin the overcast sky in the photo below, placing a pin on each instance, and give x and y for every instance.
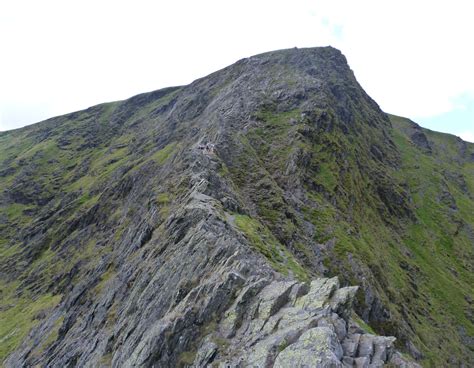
(415, 58)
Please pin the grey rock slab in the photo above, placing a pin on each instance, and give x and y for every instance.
(206, 353)
(319, 293)
(350, 345)
(342, 299)
(317, 347)
(366, 346)
(361, 362)
(383, 347)
(273, 297)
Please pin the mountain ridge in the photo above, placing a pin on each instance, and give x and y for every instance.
(307, 177)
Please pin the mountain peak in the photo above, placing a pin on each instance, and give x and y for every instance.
(295, 55)
(229, 222)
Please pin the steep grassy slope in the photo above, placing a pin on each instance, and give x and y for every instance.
(439, 172)
(379, 209)
(57, 177)
(389, 208)
(111, 217)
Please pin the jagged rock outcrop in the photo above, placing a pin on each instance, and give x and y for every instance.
(294, 324)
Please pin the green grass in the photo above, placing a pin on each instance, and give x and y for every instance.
(326, 177)
(439, 248)
(265, 243)
(52, 335)
(18, 315)
(163, 154)
(104, 279)
(363, 324)
(163, 198)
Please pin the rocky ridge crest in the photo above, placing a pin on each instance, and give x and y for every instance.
(203, 225)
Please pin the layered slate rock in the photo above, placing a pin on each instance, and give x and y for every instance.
(196, 294)
(294, 324)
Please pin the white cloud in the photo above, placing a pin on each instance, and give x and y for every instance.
(413, 58)
(467, 136)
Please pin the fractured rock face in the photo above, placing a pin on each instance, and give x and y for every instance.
(291, 324)
(317, 346)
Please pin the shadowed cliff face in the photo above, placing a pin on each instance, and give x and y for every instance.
(141, 232)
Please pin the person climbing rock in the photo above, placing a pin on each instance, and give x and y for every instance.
(210, 148)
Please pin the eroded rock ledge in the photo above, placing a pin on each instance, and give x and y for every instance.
(293, 324)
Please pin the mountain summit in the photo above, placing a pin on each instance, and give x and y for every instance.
(267, 215)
